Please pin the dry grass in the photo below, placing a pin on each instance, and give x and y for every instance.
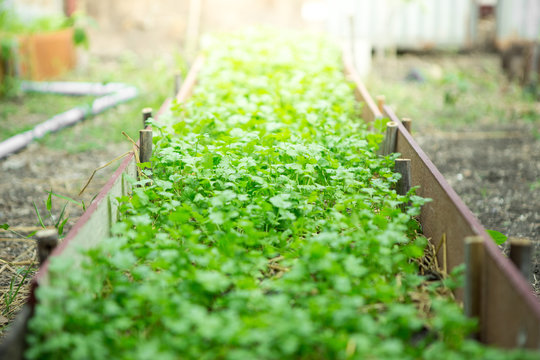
(18, 264)
(433, 271)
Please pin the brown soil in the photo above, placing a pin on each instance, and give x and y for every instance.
(26, 178)
(495, 173)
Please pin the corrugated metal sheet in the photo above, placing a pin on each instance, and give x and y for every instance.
(31, 9)
(405, 24)
(517, 20)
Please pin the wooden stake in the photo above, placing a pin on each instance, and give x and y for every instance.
(46, 242)
(403, 166)
(474, 259)
(146, 114)
(389, 144)
(145, 145)
(13, 345)
(520, 254)
(407, 123)
(381, 99)
(177, 83)
(445, 259)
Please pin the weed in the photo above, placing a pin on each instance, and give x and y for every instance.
(10, 297)
(57, 221)
(456, 86)
(23, 113)
(467, 93)
(498, 237)
(13, 290)
(484, 192)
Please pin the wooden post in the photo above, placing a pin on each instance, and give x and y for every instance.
(520, 254)
(145, 144)
(46, 242)
(381, 99)
(388, 146)
(403, 166)
(146, 114)
(474, 259)
(407, 123)
(13, 345)
(177, 83)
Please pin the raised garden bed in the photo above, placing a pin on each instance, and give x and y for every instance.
(267, 228)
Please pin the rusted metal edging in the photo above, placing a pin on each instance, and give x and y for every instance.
(445, 217)
(510, 314)
(90, 224)
(102, 212)
(509, 311)
(370, 111)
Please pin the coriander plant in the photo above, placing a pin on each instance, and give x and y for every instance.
(269, 229)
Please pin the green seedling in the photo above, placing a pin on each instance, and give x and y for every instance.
(59, 222)
(498, 237)
(13, 290)
(16, 233)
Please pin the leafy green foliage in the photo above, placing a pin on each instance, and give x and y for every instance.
(270, 229)
(60, 221)
(498, 238)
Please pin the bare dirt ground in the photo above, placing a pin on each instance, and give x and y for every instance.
(26, 178)
(496, 173)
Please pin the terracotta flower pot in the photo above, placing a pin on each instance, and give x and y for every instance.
(46, 55)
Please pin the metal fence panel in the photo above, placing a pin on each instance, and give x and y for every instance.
(405, 24)
(517, 20)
